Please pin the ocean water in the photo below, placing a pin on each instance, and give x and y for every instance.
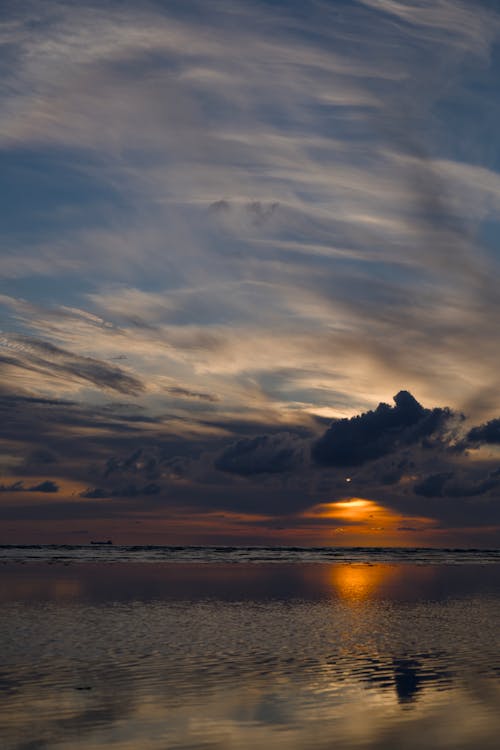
(222, 656)
(102, 552)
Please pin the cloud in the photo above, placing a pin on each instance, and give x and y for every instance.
(432, 486)
(485, 433)
(265, 454)
(131, 490)
(411, 460)
(180, 392)
(467, 27)
(41, 357)
(323, 147)
(351, 442)
(246, 218)
(459, 484)
(47, 486)
(258, 212)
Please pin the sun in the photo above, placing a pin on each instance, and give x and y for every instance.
(367, 522)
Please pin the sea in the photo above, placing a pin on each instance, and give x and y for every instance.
(107, 552)
(237, 648)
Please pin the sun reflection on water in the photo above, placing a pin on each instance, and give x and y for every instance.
(359, 582)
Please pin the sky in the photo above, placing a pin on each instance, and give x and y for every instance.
(249, 272)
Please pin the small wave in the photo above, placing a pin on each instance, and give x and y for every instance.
(255, 555)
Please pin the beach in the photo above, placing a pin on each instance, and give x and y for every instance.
(222, 656)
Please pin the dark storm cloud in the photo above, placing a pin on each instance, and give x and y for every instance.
(131, 490)
(485, 433)
(417, 442)
(408, 457)
(351, 442)
(86, 443)
(28, 353)
(451, 485)
(265, 454)
(432, 486)
(43, 423)
(46, 486)
(151, 462)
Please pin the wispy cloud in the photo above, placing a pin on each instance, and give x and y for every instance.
(49, 362)
(243, 215)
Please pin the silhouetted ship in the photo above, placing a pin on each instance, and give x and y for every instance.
(97, 542)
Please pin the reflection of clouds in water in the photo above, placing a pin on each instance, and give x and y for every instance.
(69, 703)
(289, 672)
(409, 679)
(141, 705)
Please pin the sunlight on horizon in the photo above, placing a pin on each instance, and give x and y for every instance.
(371, 523)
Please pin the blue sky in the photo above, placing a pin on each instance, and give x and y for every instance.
(244, 219)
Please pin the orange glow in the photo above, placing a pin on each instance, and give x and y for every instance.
(359, 582)
(352, 509)
(347, 522)
(369, 523)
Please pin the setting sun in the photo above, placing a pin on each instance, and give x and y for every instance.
(365, 521)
